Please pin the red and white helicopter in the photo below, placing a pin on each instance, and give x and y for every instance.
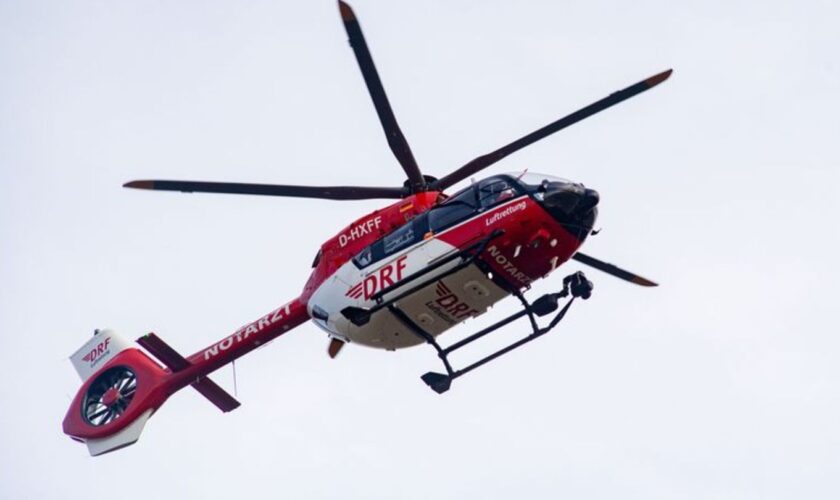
(397, 277)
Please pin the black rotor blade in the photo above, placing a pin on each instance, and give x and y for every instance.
(614, 270)
(396, 139)
(323, 192)
(485, 161)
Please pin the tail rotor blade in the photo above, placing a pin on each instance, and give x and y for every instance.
(322, 192)
(613, 270)
(396, 139)
(485, 161)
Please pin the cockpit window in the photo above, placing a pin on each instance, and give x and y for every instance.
(455, 209)
(495, 190)
(400, 239)
(364, 258)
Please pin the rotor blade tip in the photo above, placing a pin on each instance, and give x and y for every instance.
(644, 282)
(658, 78)
(140, 184)
(346, 11)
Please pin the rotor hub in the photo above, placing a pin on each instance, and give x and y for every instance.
(110, 397)
(428, 180)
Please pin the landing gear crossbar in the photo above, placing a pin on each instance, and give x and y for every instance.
(575, 285)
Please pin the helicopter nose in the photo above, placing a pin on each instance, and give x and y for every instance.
(569, 198)
(589, 200)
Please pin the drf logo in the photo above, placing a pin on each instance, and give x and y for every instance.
(448, 306)
(97, 352)
(380, 279)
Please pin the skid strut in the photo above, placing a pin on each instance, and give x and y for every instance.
(575, 285)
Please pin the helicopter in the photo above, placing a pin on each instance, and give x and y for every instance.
(397, 277)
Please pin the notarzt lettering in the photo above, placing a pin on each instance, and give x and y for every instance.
(246, 331)
(509, 268)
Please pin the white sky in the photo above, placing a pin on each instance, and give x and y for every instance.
(721, 184)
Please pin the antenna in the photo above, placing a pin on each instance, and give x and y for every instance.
(235, 391)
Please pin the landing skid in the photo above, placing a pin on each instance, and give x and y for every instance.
(575, 285)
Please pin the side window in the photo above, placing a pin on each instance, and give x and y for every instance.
(364, 258)
(399, 239)
(457, 208)
(392, 243)
(494, 191)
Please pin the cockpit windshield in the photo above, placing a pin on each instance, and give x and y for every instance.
(534, 179)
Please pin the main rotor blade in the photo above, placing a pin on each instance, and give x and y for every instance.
(614, 270)
(323, 192)
(485, 161)
(396, 139)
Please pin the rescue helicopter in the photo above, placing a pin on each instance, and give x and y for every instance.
(394, 278)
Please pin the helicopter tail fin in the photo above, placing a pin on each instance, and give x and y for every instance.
(121, 389)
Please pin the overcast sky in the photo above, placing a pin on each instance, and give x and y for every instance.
(721, 184)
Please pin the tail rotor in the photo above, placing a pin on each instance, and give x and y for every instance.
(109, 396)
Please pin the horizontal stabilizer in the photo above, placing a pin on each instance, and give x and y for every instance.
(218, 396)
(175, 362)
(163, 352)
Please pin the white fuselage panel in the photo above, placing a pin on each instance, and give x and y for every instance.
(435, 308)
